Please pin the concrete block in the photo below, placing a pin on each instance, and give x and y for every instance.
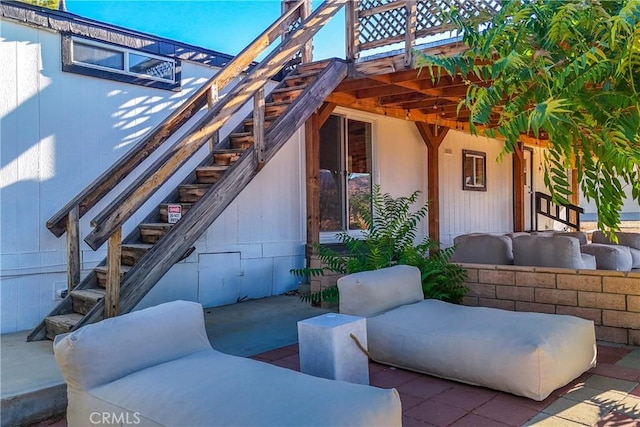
(327, 349)
(537, 280)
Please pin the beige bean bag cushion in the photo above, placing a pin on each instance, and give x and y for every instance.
(528, 354)
(155, 367)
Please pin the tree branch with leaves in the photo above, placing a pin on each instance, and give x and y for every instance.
(566, 69)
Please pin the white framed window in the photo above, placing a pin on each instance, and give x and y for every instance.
(474, 170)
(103, 60)
(346, 175)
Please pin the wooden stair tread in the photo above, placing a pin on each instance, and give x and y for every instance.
(158, 225)
(242, 134)
(88, 293)
(303, 75)
(277, 104)
(289, 89)
(249, 122)
(304, 68)
(83, 300)
(123, 268)
(189, 186)
(229, 151)
(210, 168)
(65, 320)
(143, 246)
(300, 79)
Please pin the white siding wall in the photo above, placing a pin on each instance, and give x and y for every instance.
(462, 211)
(59, 131)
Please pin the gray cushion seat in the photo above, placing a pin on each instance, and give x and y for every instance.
(155, 367)
(481, 248)
(630, 240)
(552, 251)
(527, 354)
(609, 257)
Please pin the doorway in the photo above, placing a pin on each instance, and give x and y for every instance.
(345, 175)
(529, 205)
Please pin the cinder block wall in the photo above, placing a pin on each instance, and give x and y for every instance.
(610, 298)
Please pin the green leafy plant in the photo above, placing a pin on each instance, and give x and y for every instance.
(388, 239)
(566, 69)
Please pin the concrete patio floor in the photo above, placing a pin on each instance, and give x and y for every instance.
(608, 395)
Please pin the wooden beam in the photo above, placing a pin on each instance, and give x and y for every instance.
(112, 294)
(324, 112)
(73, 248)
(258, 126)
(312, 161)
(518, 188)
(307, 48)
(433, 137)
(352, 37)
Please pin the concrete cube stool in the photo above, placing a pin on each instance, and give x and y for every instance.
(328, 351)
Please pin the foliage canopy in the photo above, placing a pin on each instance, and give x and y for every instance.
(570, 69)
(49, 4)
(388, 239)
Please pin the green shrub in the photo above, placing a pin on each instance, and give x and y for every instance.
(388, 239)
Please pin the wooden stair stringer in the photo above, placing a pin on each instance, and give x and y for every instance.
(170, 249)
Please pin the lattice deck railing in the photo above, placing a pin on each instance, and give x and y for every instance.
(376, 23)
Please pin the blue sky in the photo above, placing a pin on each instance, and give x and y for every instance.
(223, 25)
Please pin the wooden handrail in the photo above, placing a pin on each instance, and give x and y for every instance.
(102, 185)
(162, 169)
(544, 203)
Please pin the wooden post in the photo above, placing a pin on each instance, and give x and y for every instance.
(575, 195)
(410, 33)
(433, 137)
(213, 141)
(307, 48)
(518, 188)
(73, 248)
(312, 160)
(351, 30)
(258, 126)
(112, 294)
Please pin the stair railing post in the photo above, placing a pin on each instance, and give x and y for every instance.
(410, 32)
(351, 30)
(258, 126)
(213, 141)
(73, 248)
(112, 294)
(307, 49)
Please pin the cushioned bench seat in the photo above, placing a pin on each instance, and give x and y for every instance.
(528, 354)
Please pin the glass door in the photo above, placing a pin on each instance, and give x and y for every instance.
(358, 172)
(345, 177)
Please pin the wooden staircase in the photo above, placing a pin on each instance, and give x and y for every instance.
(147, 254)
